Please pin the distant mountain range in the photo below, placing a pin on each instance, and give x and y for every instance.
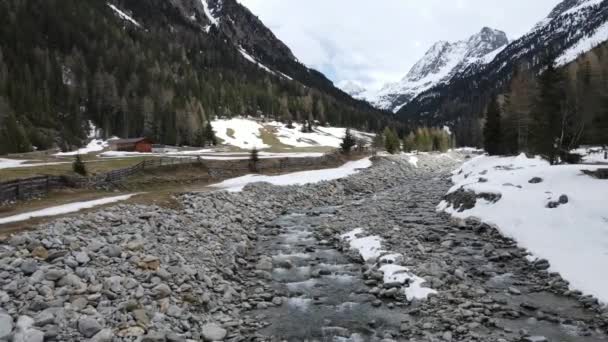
(456, 70)
(442, 62)
(572, 28)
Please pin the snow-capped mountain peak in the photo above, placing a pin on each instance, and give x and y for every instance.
(352, 88)
(440, 63)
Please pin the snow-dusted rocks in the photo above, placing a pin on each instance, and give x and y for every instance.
(370, 249)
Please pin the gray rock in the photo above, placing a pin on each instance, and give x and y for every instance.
(45, 317)
(161, 291)
(265, 264)
(113, 251)
(29, 335)
(105, 335)
(173, 337)
(82, 258)
(88, 326)
(54, 274)
(213, 332)
(515, 291)
(535, 180)
(460, 274)
(174, 311)
(25, 332)
(29, 266)
(563, 199)
(154, 337)
(6, 325)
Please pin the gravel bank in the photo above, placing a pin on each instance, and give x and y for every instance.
(146, 273)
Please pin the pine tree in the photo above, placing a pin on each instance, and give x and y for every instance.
(492, 131)
(424, 140)
(209, 135)
(391, 141)
(546, 115)
(378, 141)
(409, 143)
(348, 142)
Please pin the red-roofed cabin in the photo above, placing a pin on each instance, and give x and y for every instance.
(142, 145)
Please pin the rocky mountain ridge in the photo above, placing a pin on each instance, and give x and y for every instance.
(442, 62)
(572, 28)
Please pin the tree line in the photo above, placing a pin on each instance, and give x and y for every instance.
(67, 63)
(551, 113)
(422, 139)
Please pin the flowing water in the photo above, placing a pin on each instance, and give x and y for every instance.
(327, 299)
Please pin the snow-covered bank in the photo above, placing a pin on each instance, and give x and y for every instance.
(370, 249)
(17, 163)
(296, 178)
(593, 155)
(64, 209)
(572, 236)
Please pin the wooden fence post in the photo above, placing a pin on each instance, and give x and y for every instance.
(18, 188)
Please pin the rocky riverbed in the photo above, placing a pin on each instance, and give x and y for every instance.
(271, 263)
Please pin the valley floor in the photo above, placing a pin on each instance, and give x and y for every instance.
(361, 258)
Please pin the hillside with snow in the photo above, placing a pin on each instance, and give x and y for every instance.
(247, 133)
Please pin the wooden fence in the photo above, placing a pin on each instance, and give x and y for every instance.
(120, 174)
(24, 189)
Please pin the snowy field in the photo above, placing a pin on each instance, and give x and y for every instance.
(573, 236)
(296, 178)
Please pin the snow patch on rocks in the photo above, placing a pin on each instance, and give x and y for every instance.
(556, 212)
(370, 249)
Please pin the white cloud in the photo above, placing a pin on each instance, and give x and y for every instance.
(374, 42)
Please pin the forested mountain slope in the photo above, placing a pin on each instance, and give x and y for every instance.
(156, 68)
(573, 28)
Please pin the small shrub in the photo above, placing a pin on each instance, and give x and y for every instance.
(79, 166)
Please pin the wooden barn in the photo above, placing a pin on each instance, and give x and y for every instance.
(142, 145)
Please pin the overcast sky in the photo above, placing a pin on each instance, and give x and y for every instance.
(377, 41)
